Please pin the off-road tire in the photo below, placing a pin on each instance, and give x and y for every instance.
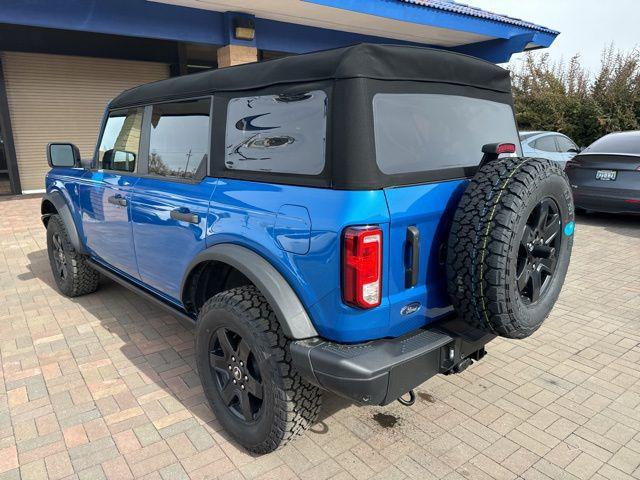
(290, 404)
(80, 279)
(485, 238)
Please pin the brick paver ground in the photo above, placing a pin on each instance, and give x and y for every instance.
(104, 386)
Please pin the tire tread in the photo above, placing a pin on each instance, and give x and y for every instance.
(299, 402)
(84, 279)
(479, 250)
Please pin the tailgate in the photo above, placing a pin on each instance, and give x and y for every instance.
(428, 210)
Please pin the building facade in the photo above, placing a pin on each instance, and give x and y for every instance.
(61, 61)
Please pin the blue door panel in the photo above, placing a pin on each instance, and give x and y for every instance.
(106, 225)
(165, 246)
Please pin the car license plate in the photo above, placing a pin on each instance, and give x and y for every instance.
(606, 175)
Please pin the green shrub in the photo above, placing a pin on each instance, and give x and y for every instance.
(563, 97)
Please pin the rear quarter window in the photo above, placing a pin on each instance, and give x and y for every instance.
(416, 132)
(277, 133)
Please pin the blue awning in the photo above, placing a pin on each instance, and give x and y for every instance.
(305, 25)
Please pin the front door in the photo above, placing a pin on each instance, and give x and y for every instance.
(170, 203)
(105, 193)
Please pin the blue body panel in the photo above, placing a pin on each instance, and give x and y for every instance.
(245, 213)
(297, 229)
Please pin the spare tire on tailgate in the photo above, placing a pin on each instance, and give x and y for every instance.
(509, 245)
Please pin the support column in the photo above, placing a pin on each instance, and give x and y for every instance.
(236, 55)
(7, 134)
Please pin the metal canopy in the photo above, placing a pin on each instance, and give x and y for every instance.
(294, 26)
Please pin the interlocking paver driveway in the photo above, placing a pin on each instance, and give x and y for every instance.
(104, 386)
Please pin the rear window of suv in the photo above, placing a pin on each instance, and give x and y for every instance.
(417, 132)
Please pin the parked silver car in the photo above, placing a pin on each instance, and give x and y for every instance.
(552, 145)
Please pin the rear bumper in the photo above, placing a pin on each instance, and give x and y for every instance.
(380, 371)
(605, 200)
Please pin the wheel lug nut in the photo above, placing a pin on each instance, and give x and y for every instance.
(242, 387)
(233, 359)
(241, 364)
(234, 381)
(246, 378)
(229, 367)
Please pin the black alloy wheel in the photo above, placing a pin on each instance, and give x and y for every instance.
(247, 374)
(71, 271)
(237, 375)
(59, 257)
(538, 251)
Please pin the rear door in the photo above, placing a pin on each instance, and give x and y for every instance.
(105, 192)
(547, 147)
(567, 148)
(442, 134)
(170, 202)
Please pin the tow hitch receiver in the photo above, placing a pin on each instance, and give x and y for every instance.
(467, 361)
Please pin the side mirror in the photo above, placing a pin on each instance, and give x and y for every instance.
(574, 150)
(63, 155)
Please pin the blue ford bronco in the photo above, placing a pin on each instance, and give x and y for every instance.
(355, 220)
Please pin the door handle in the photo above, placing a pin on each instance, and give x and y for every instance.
(184, 215)
(412, 271)
(117, 200)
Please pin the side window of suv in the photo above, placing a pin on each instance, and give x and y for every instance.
(277, 133)
(179, 139)
(120, 141)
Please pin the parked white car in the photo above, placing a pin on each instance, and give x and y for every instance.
(552, 145)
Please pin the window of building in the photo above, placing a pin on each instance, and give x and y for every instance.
(277, 133)
(418, 132)
(121, 140)
(179, 139)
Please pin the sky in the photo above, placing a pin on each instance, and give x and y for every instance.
(586, 26)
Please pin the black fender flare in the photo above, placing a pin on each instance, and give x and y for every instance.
(59, 202)
(288, 308)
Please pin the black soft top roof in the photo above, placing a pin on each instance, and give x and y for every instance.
(380, 62)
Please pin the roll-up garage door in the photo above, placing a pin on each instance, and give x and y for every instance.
(62, 98)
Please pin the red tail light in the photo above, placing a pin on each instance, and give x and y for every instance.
(506, 148)
(572, 164)
(362, 266)
(498, 148)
